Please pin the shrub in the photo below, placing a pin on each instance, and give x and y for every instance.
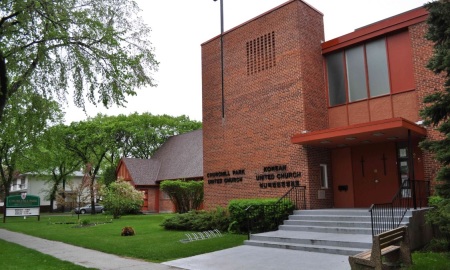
(439, 216)
(127, 231)
(264, 215)
(199, 220)
(122, 198)
(185, 195)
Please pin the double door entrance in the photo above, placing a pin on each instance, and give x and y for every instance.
(372, 173)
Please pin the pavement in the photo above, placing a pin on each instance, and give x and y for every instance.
(237, 258)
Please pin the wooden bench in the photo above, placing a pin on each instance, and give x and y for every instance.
(394, 244)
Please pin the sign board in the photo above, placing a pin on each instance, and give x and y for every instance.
(21, 206)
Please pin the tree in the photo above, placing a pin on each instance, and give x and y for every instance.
(98, 48)
(92, 141)
(140, 135)
(50, 158)
(437, 112)
(185, 195)
(121, 198)
(26, 117)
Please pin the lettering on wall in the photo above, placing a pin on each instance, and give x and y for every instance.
(227, 177)
(275, 176)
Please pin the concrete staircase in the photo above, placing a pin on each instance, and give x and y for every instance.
(334, 231)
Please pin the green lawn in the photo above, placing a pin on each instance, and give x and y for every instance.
(430, 261)
(151, 242)
(13, 256)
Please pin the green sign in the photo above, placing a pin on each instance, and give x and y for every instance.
(23, 201)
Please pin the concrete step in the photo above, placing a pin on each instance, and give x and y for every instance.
(338, 218)
(289, 237)
(311, 248)
(335, 212)
(322, 229)
(334, 231)
(329, 223)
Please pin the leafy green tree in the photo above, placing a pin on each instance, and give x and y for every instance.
(50, 158)
(140, 135)
(109, 175)
(25, 119)
(185, 195)
(98, 48)
(437, 112)
(92, 141)
(120, 197)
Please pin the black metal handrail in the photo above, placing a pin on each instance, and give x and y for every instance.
(388, 216)
(267, 217)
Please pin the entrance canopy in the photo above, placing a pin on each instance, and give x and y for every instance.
(393, 129)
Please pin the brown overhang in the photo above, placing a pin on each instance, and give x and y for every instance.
(394, 129)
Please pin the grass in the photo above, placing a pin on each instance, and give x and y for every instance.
(430, 261)
(14, 256)
(151, 243)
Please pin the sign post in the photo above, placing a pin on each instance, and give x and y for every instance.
(22, 206)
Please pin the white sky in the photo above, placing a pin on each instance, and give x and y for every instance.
(179, 27)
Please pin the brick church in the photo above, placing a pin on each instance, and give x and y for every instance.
(340, 117)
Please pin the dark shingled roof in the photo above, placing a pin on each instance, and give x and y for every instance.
(142, 171)
(180, 157)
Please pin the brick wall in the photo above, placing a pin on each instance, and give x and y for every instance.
(265, 104)
(426, 83)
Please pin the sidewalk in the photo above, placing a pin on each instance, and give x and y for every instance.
(78, 255)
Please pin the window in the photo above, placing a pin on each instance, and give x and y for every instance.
(376, 68)
(323, 176)
(336, 82)
(356, 74)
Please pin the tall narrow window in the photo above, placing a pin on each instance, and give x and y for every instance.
(377, 66)
(323, 176)
(356, 74)
(336, 81)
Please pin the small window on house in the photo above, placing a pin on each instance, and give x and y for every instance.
(323, 176)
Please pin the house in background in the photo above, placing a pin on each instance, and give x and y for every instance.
(180, 157)
(39, 185)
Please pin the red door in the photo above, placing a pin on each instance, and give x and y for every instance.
(375, 173)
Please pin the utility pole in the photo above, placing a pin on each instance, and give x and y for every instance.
(221, 56)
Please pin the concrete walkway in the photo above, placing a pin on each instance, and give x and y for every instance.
(242, 257)
(262, 258)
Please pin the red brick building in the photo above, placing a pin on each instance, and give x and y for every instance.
(340, 117)
(179, 158)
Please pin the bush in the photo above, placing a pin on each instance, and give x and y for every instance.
(199, 221)
(122, 198)
(127, 231)
(185, 195)
(264, 215)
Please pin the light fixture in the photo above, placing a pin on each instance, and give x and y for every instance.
(378, 134)
(342, 145)
(325, 142)
(393, 138)
(366, 141)
(350, 138)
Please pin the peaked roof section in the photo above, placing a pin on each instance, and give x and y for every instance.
(142, 171)
(181, 156)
